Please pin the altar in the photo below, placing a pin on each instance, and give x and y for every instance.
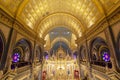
(60, 66)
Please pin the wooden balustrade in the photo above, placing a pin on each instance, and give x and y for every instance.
(22, 69)
(99, 68)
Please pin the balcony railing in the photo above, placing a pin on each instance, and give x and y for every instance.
(99, 68)
(22, 69)
(83, 62)
(102, 63)
(19, 64)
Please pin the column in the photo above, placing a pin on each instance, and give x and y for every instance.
(9, 48)
(110, 40)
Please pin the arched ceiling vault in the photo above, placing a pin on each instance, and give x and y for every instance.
(60, 39)
(60, 19)
(64, 26)
(32, 12)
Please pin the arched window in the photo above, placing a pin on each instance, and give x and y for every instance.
(1, 47)
(17, 55)
(105, 54)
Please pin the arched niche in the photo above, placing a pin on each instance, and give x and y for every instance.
(46, 55)
(38, 53)
(82, 54)
(22, 53)
(75, 54)
(99, 52)
(2, 45)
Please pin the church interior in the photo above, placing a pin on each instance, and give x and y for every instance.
(60, 40)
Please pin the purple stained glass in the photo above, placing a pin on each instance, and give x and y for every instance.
(46, 56)
(106, 56)
(16, 57)
(74, 56)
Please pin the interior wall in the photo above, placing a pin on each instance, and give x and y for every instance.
(5, 29)
(107, 30)
(116, 29)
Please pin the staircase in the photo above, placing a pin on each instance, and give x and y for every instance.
(8, 76)
(114, 75)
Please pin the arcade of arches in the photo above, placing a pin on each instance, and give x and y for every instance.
(59, 39)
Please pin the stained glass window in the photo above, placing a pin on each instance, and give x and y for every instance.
(105, 55)
(16, 57)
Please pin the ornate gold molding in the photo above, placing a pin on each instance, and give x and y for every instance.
(6, 19)
(13, 23)
(93, 31)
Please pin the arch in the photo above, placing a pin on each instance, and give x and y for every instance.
(57, 45)
(38, 53)
(2, 44)
(17, 54)
(46, 55)
(82, 54)
(60, 39)
(60, 19)
(26, 46)
(99, 52)
(94, 46)
(75, 54)
(22, 53)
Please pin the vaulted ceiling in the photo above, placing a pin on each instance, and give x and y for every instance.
(43, 15)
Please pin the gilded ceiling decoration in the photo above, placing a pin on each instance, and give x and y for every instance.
(57, 20)
(36, 14)
(60, 39)
(108, 4)
(11, 5)
(60, 32)
(60, 44)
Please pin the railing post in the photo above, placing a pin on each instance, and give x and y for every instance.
(106, 67)
(1, 74)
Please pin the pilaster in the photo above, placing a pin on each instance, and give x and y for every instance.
(9, 48)
(110, 40)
